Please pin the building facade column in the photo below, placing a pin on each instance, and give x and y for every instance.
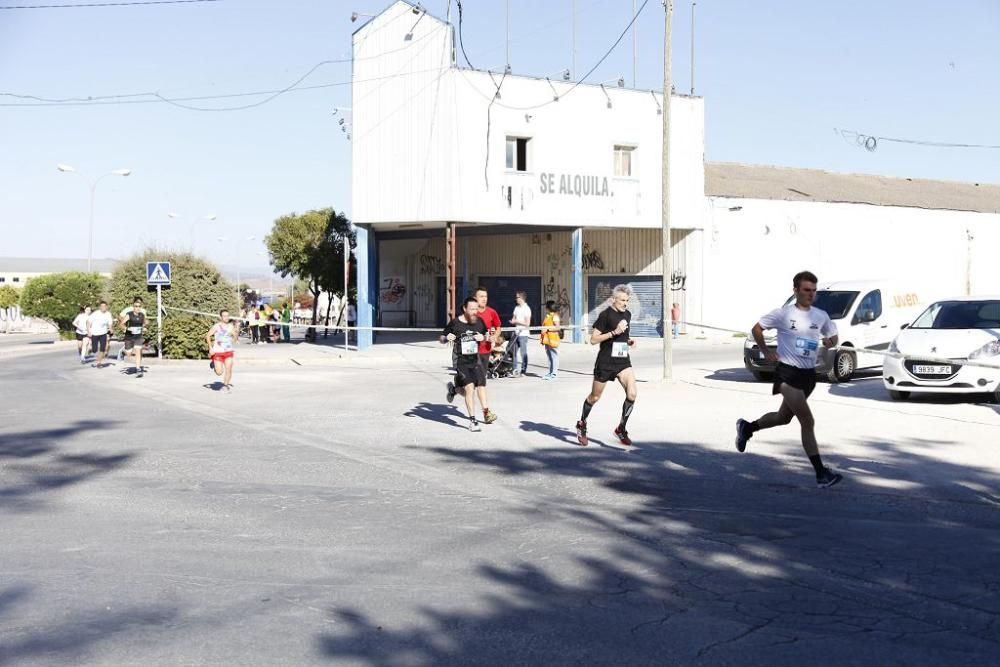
(576, 283)
(366, 254)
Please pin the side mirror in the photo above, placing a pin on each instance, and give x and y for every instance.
(904, 326)
(868, 316)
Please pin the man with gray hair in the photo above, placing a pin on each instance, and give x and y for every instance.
(610, 331)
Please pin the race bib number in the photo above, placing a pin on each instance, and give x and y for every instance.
(470, 347)
(135, 331)
(806, 346)
(619, 350)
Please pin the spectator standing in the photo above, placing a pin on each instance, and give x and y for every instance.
(521, 322)
(286, 330)
(675, 320)
(551, 337)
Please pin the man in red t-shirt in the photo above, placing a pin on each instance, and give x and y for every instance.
(491, 319)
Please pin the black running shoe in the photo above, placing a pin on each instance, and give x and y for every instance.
(743, 434)
(474, 425)
(622, 436)
(828, 478)
(451, 392)
(581, 432)
(139, 374)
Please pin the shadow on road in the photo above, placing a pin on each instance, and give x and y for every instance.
(39, 465)
(70, 639)
(713, 557)
(442, 413)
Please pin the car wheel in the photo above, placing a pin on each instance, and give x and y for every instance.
(760, 376)
(898, 395)
(842, 367)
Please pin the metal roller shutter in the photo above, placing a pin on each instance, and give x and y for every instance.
(646, 304)
(502, 291)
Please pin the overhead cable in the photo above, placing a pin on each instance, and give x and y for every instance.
(132, 3)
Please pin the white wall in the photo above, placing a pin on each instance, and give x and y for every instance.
(750, 255)
(420, 141)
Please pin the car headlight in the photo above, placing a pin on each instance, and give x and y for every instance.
(991, 349)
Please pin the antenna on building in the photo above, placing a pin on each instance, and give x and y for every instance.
(605, 91)
(508, 38)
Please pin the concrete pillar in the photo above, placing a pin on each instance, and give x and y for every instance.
(367, 281)
(578, 312)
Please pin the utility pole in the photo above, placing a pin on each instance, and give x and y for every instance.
(635, 46)
(668, 339)
(694, 5)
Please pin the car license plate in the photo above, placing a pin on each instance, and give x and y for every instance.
(932, 370)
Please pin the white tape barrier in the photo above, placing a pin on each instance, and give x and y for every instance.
(885, 353)
(341, 327)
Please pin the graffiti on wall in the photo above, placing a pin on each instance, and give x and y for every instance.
(678, 281)
(431, 265)
(560, 295)
(393, 290)
(591, 258)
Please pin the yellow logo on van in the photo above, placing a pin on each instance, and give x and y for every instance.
(903, 300)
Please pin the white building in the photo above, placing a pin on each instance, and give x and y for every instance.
(552, 187)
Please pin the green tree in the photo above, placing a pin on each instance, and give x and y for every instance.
(195, 285)
(58, 297)
(9, 296)
(310, 247)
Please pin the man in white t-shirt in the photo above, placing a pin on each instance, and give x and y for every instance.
(521, 322)
(801, 329)
(98, 329)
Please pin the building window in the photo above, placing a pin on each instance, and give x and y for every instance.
(2, 279)
(16, 280)
(517, 153)
(623, 161)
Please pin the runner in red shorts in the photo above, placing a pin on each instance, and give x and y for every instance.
(221, 338)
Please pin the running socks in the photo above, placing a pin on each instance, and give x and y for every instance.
(817, 464)
(587, 407)
(626, 411)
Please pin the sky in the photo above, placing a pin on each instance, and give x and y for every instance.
(779, 78)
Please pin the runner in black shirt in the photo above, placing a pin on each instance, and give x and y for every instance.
(134, 323)
(611, 332)
(466, 331)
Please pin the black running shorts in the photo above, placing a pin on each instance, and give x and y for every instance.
(800, 378)
(474, 373)
(132, 341)
(80, 336)
(608, 373)
(99, 343)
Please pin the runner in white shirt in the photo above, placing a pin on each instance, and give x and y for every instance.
(221, 338)
(98, 327)
(801, 330)
(80, 329)
(521, 322)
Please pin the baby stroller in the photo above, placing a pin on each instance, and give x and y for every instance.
(501, 364)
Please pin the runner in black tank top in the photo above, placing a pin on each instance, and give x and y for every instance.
(134, 323)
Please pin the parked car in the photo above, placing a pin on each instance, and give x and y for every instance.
(957, 330)
(868, 313)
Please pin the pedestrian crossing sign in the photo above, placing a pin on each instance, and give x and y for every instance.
(157, 273)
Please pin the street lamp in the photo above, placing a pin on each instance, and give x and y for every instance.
(66, 169)
(194, 221)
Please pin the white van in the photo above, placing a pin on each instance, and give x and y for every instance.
(868, 313)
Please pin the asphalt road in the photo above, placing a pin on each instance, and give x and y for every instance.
(340, 514)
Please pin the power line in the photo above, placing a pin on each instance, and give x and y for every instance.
(159, 99)
(578, 82)
(97, 100)
(870, 142)
(108, 4)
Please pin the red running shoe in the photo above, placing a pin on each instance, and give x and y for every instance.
(622, 436)
(581, 433)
